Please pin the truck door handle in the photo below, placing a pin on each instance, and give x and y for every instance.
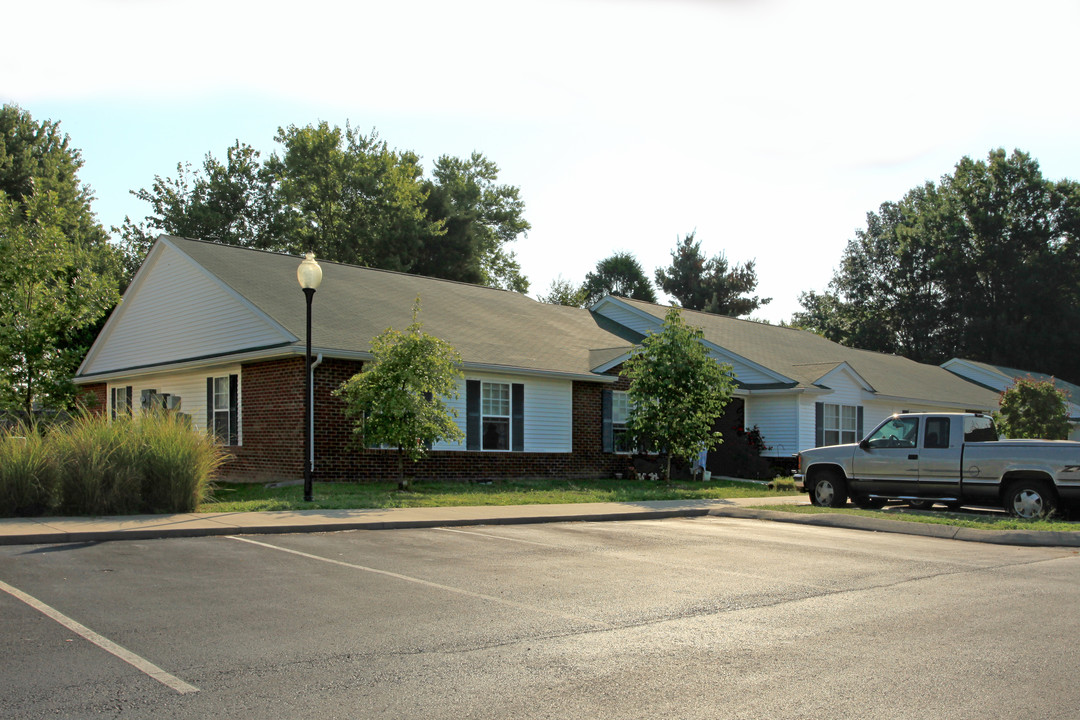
(912, 457)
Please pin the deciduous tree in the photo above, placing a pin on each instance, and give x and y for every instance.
(58, 274)
(400, 398)
(1033, 409)
(677, 391)
(981, 265)
(620, 274)
(348, 197)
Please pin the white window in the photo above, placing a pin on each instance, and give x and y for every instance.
(620, 414)
(495, 415)
(221, 408)
(840, 423)
(121, 402)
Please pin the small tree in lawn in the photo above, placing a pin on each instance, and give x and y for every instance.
(399, 399)
(1033, 409)
(677, 391)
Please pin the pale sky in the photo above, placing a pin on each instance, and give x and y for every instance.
(771, 127)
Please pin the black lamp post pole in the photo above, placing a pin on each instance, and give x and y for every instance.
(309, 430)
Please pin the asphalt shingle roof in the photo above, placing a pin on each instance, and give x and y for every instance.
(354, 304)
(805, 358)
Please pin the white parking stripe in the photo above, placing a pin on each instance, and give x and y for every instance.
(427, 583)
(104, 643)
(500, 537)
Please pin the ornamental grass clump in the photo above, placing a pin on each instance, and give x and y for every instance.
(99, 466)
(176, 464)
(96, 466)
(28, 472)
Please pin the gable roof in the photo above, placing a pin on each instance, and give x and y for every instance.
(1000, 378)
(490, 328)
(805, 358)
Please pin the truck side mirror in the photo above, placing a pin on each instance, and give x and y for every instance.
(864, 444)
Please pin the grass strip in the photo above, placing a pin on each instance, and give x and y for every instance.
(934, 517)
(244, 497)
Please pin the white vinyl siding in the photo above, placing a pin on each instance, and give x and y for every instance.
(549, 423)
(628, 318)
(190, 387)
(179, 312)
(777, 417)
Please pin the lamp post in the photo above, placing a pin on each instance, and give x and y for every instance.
(310, 276)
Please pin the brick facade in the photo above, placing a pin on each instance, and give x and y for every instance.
(95, 398)
(272, 427)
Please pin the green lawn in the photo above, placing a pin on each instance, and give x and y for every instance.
(935, 517)
(234, 497)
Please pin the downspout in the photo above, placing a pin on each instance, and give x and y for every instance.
(311, 418)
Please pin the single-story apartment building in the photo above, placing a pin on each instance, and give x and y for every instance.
(218, 333)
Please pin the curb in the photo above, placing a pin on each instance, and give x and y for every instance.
(1027, 538)
(41, 533)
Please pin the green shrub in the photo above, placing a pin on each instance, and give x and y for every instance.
(28, 472)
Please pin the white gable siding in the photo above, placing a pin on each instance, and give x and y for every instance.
(744, 372)
(629, 318)
(177, 312)
(549, 425)
(777, 417)
(189, 386)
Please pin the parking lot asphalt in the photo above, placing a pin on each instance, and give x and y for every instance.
(33, 531)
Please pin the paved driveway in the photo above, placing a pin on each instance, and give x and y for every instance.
(688, 618)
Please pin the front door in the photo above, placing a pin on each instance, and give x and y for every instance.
(888, 462)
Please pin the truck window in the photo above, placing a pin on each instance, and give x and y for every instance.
(897, 432)
(937, 433)
(979, 429)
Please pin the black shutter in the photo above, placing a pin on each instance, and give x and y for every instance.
(517, 417)
(819, 424)
(472, 415)
(607, 430)
(210, 405)
(858, 423)
(128, 400)
(234, 410)
(113, 411)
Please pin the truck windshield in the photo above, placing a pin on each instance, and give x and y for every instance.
(897, 432)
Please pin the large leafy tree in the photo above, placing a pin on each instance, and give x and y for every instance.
(981, 265)
(400, 398)
(233, 202)
(347, 197)
(1033, 409)
(620, 274)
(58, 274)
(677, 391)
(480, 219)
(709, 284)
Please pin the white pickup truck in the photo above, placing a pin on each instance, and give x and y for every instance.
(951, 458)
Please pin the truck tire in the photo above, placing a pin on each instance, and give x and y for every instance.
(829, 490)
(1030, 499)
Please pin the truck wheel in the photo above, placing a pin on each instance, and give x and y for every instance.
(1030, 499)
(829, 491)
(920, 504)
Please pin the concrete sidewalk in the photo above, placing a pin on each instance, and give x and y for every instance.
(33, 531)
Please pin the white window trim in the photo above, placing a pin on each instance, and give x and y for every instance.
(844, 429)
